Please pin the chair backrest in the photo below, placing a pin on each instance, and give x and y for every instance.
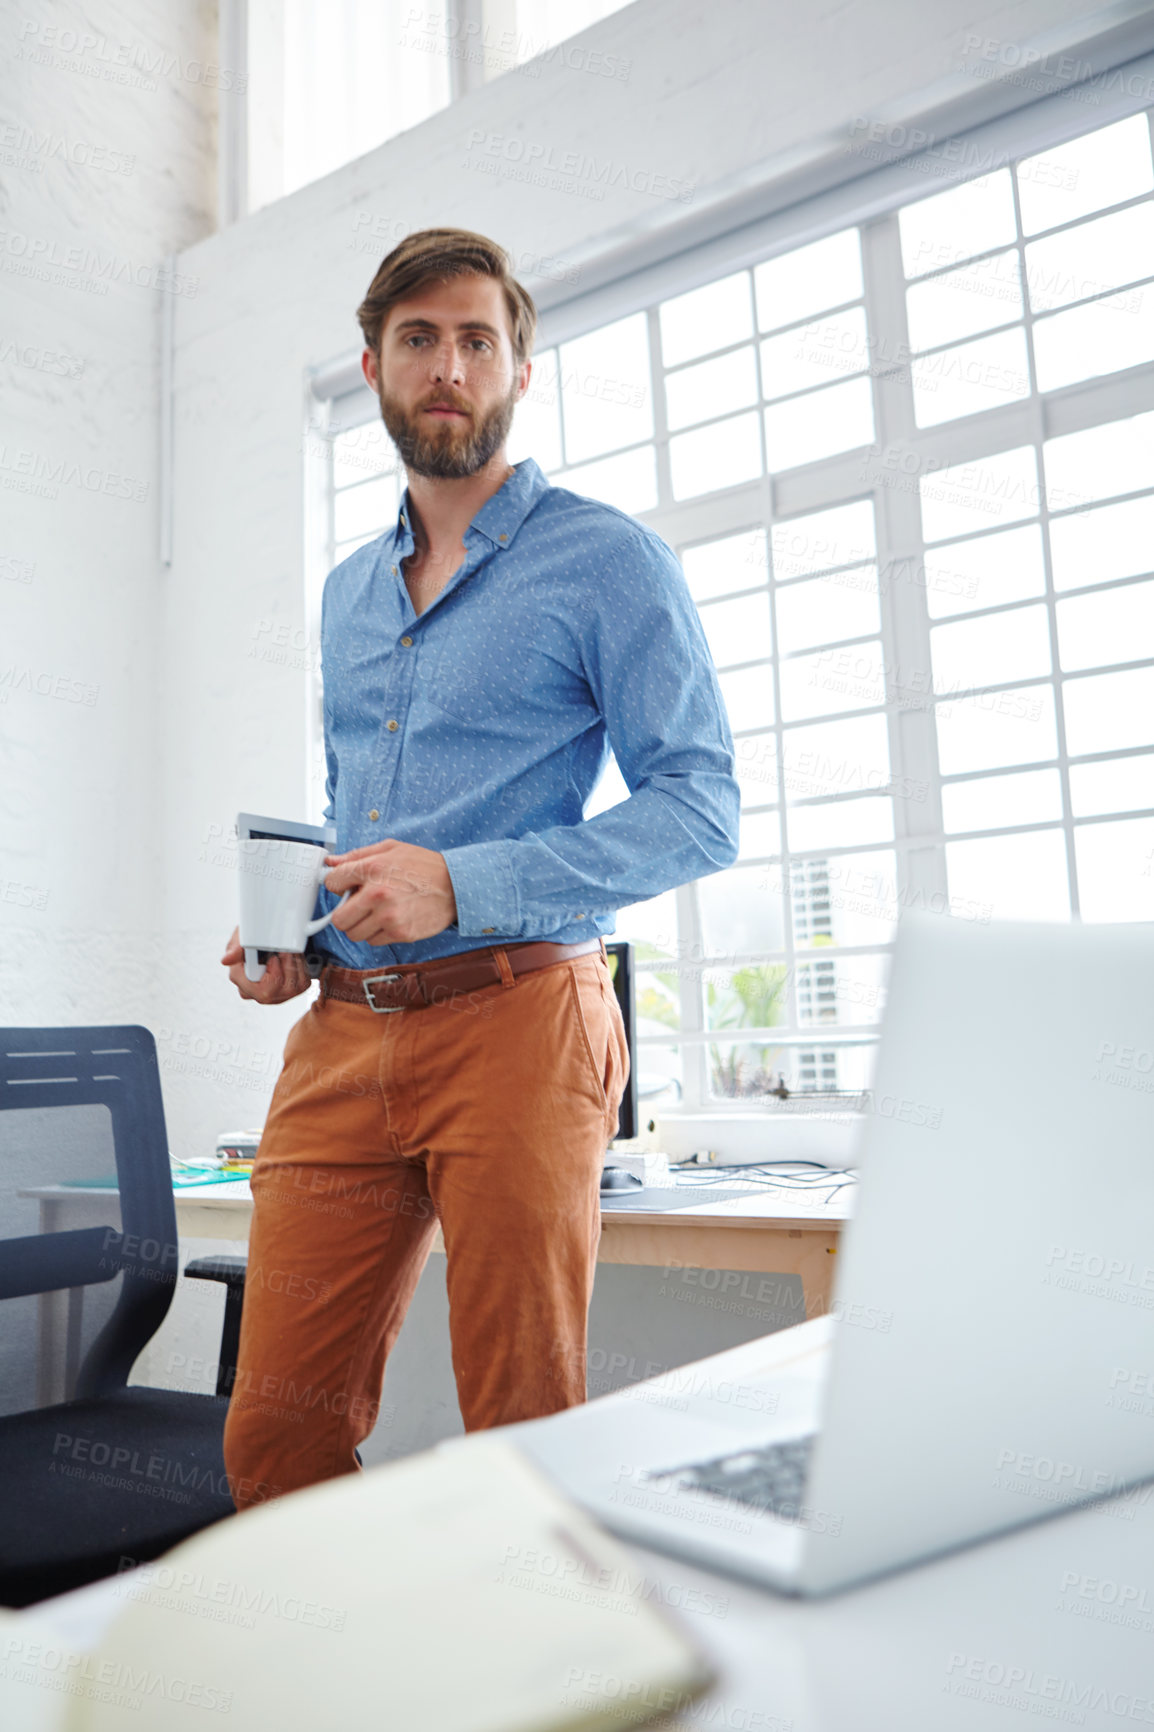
(42, 1072)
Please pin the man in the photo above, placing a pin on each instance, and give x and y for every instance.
(465, 1059)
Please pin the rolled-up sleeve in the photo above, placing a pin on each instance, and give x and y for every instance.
(652, 678)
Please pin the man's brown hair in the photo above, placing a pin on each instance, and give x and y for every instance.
(444, 253)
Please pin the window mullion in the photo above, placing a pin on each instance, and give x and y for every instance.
(319, 498)
(1038, 405)
(904, 615)
(691, 996)
(464, 18)
(660, 417)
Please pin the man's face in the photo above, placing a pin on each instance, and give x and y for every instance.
(446, 377)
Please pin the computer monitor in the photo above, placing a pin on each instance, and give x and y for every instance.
(621, 968)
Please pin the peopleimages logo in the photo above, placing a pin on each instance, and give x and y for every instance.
(46, 685)
(35, 254)
(119, 62)
(53, 1665)
(1029, 68)
(15, 570)
(24, 895)
(1051, 1480)
(40, 472)
(573, 1576)
(506, 50)
(1075, 1266)
(40, 360)
(503, 154)
(1038, 1692)
(214, 1596)
(155, 1475)
(22, 146)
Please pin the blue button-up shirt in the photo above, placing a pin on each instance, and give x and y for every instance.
(480, 727)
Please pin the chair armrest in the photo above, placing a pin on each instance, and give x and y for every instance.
(230, 1270)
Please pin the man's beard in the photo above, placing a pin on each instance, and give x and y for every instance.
(440, 451)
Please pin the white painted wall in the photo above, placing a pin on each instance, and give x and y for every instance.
(107, 152)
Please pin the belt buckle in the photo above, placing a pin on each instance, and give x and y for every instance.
(376, 980)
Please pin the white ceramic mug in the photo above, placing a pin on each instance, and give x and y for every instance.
(279, 881)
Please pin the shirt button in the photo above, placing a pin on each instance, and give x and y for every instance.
(408, 642)
(392, 726)
(502, 538)
(485, 929)
(580, 917)
(394, 569)
(374, 814)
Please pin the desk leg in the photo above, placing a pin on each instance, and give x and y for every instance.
(58, 1326)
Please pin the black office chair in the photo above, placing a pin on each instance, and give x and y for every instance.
(112, 1472)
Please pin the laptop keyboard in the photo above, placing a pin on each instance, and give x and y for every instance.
(770, 1480)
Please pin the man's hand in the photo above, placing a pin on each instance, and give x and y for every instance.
(285, 975)
(400, 893)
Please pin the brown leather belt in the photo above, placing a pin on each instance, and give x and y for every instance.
(413, 985)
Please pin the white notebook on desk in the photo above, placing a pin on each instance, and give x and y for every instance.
(454, 1591)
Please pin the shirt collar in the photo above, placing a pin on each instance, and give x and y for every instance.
(500, 517)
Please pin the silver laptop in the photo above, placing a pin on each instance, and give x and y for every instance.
(989, 1359)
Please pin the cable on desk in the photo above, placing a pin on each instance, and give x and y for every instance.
(765, 1175)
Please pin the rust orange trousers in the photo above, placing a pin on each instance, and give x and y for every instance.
(488, 1114)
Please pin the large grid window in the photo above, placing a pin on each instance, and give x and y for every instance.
(909, 472)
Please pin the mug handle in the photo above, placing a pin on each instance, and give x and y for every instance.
(315, 925)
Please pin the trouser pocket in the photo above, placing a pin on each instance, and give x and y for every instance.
(601, 1034)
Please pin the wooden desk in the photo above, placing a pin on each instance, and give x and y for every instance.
(778, 1231)
(768, 1232)
(773, 1232)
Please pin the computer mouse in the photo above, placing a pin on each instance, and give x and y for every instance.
(619, 1179)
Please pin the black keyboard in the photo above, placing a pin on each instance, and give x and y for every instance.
(770, 1480)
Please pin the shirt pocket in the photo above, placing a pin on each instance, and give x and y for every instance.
(513, 670)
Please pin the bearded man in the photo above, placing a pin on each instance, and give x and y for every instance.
(464, 1061)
